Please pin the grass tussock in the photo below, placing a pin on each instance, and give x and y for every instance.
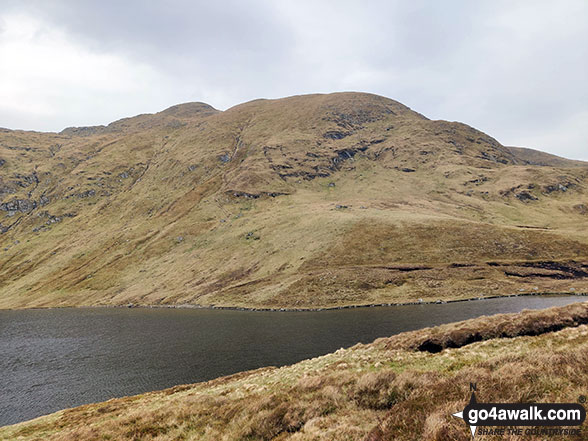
(455, 335)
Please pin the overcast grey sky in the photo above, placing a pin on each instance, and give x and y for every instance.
(517, 70)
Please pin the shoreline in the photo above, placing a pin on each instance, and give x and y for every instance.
(319, 309)
(563, 328)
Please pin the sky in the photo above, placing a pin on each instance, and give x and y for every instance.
(515, 70)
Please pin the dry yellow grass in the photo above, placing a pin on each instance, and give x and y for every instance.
(542, 158)
(303, 202)
(388, 390)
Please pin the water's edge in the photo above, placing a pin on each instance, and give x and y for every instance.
(324, 308)
(58, 358)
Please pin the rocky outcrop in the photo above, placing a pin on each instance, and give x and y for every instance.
(18, 205)
(525, 196)
(51, 219)
(26, 180)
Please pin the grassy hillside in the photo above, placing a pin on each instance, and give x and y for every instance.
(303, 202)
(535, 157)
(403, 387)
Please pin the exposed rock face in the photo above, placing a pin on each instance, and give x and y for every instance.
(86, 194)
(6, 190)
(21, 205)
(26, 180)
(336, 134)
(525, 196)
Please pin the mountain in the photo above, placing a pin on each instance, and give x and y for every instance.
(303, 202)
(535, 157)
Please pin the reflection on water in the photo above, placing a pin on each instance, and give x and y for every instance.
(53, 359)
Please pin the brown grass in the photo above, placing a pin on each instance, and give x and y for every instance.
(456, 335)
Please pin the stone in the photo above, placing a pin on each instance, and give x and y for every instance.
(18, 205)
(525, 196)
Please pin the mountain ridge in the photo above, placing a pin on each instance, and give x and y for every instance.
(301, 202)
(537, 157)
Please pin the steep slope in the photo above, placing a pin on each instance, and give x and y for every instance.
(307, 201)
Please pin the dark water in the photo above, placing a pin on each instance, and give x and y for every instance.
(53, 359)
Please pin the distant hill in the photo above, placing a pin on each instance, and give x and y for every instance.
(303, 202)
(536, 157)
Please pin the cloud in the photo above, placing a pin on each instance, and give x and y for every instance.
(514, 70)
(46, 78)
(570, 136)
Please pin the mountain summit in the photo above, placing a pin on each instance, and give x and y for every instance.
(303, 202)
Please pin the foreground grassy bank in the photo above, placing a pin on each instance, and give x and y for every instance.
(403, 387)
